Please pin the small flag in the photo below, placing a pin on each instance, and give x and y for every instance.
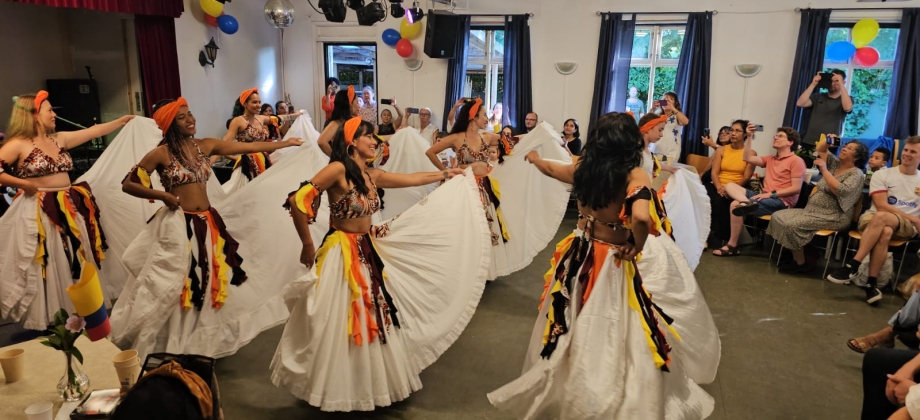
(88, 299)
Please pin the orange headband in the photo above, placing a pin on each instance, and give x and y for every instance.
(351, 94)
(351, 127)
(40, 97)
(196, 385)
(167, 113)
(651, 124)
(246, 94)
(475, 108)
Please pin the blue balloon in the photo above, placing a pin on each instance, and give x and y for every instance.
(228, 24)
(391, 37)
(840, 51)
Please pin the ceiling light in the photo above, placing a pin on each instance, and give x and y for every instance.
(355, 4)
(396, 9)
(371, 14)
(333, 10)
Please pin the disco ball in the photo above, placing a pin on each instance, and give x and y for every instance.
(279, 13)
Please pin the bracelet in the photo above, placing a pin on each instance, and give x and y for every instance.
(445, 175)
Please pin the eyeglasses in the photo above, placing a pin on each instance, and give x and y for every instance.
(424, 115)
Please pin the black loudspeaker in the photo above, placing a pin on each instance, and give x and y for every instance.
(441, 34)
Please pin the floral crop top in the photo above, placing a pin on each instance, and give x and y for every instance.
(175, 174)
(351, 205)
(468, 156)
(251, 134)
(38, 164)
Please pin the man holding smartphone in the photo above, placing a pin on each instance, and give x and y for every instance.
(829, 110)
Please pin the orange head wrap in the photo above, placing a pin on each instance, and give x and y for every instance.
(475, 108)
(651, 124)
(351, 94)
(351, 127)
(244, 95)
(40, 97)
(196, 385)
(165, 114)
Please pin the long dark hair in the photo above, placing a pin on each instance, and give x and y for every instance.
(613, 148)
(238, 108)
(159, 397)
(463, 118)
(673, 96)
(342, 153)
(341, 107)
(577, 132)
(173, 138)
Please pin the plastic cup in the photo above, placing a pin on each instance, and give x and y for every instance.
(39, 411)
(13, 364)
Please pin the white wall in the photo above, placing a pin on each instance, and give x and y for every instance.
(249, 58)
(567, 30)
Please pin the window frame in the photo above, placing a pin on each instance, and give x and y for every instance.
(490, 63)
(654, 59)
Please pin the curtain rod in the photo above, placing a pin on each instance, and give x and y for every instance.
(834, 9)
(598, 13)
(487, 15)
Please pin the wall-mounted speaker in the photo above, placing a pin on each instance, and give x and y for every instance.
(441, 34)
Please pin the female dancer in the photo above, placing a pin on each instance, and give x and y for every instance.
(600, 348)
(249, 126)
(184, 263)
(346, 106)
(389, 298)
(53, 228)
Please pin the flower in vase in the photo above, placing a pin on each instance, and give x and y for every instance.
(75, 324)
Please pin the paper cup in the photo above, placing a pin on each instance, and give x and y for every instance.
(125, 358)
(13, 364)
(127, 375)
(39, 411)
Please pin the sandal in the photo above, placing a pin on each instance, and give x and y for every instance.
(745, 208)
(863, 344)
(727, 251)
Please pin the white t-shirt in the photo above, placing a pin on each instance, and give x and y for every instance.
(903, 190)
(428, 132)
(669, 145)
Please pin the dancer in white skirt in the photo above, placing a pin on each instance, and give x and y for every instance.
(188, 292)
(600, 348)
(389, 298)
(53, 227)
(523, 208)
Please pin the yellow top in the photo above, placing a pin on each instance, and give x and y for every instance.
(733, 165)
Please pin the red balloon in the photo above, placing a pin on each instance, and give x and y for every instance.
(866, 56)
(211, 20)
(404, 48)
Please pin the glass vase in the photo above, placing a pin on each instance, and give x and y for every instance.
(74, 385)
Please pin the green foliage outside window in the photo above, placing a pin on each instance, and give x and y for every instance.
(665, 78)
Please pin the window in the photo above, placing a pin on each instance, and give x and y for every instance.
(653, 68)
(353, 64)
(868, 86)
(484, 66)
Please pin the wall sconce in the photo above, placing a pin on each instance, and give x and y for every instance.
(211, 49)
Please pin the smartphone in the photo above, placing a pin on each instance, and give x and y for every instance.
(705, 132)
(826, 80)
(412, 110)
(663, 103)
(386, 101)
(467, 100)
(758, 127)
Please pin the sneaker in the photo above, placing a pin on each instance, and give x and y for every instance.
(745, 208)
(842, 275)
(873, 295)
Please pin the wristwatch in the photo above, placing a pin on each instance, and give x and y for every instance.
(773, 194)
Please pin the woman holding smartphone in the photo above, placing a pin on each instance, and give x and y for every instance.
(668, 148)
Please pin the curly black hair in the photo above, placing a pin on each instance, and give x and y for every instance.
(612, 150)
(172, 138)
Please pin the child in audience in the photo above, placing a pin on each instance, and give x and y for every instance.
(879, 159)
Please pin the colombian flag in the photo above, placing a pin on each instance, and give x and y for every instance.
(88, 299)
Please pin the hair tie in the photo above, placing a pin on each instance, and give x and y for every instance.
(40, 97)
(351, 127)
(475, 109)
(246, 94)
(651, 124)
(351, 94)
(165, 114)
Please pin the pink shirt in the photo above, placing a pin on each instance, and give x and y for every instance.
(780, 173)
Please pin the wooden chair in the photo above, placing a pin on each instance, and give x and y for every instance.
(699, 162)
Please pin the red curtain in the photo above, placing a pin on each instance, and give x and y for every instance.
(171, 8)
(159, 61)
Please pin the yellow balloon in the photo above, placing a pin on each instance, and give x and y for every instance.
(864, 32)
(408, 30)
(212, 7)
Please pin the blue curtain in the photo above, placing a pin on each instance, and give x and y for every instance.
(692, 81)
(809, 59)
(614, 52)
(456, 69)
(518, 84)
(905, 81)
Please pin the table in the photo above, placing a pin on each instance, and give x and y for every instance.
(44, 366)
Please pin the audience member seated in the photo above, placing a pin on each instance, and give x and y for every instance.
(879, 159)
(169, 392)
(894, 214)
(530, 122)
(782, 184)
(387, 126)
(903, 326)
(723, 138)
(728, 167)
(830, 206)
(571, 137)
(890, 377)
(425, 127)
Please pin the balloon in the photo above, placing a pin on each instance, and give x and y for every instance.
(212, 7)
(211, 20)
(279, 13)
(864, 32)
(410, 30)
(866, 56)
(391, 37)
(840, 51)
(404, 48)
(228, 24)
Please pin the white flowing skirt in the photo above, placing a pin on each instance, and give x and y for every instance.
(688, 207)
(407, 155)
(435, 269)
